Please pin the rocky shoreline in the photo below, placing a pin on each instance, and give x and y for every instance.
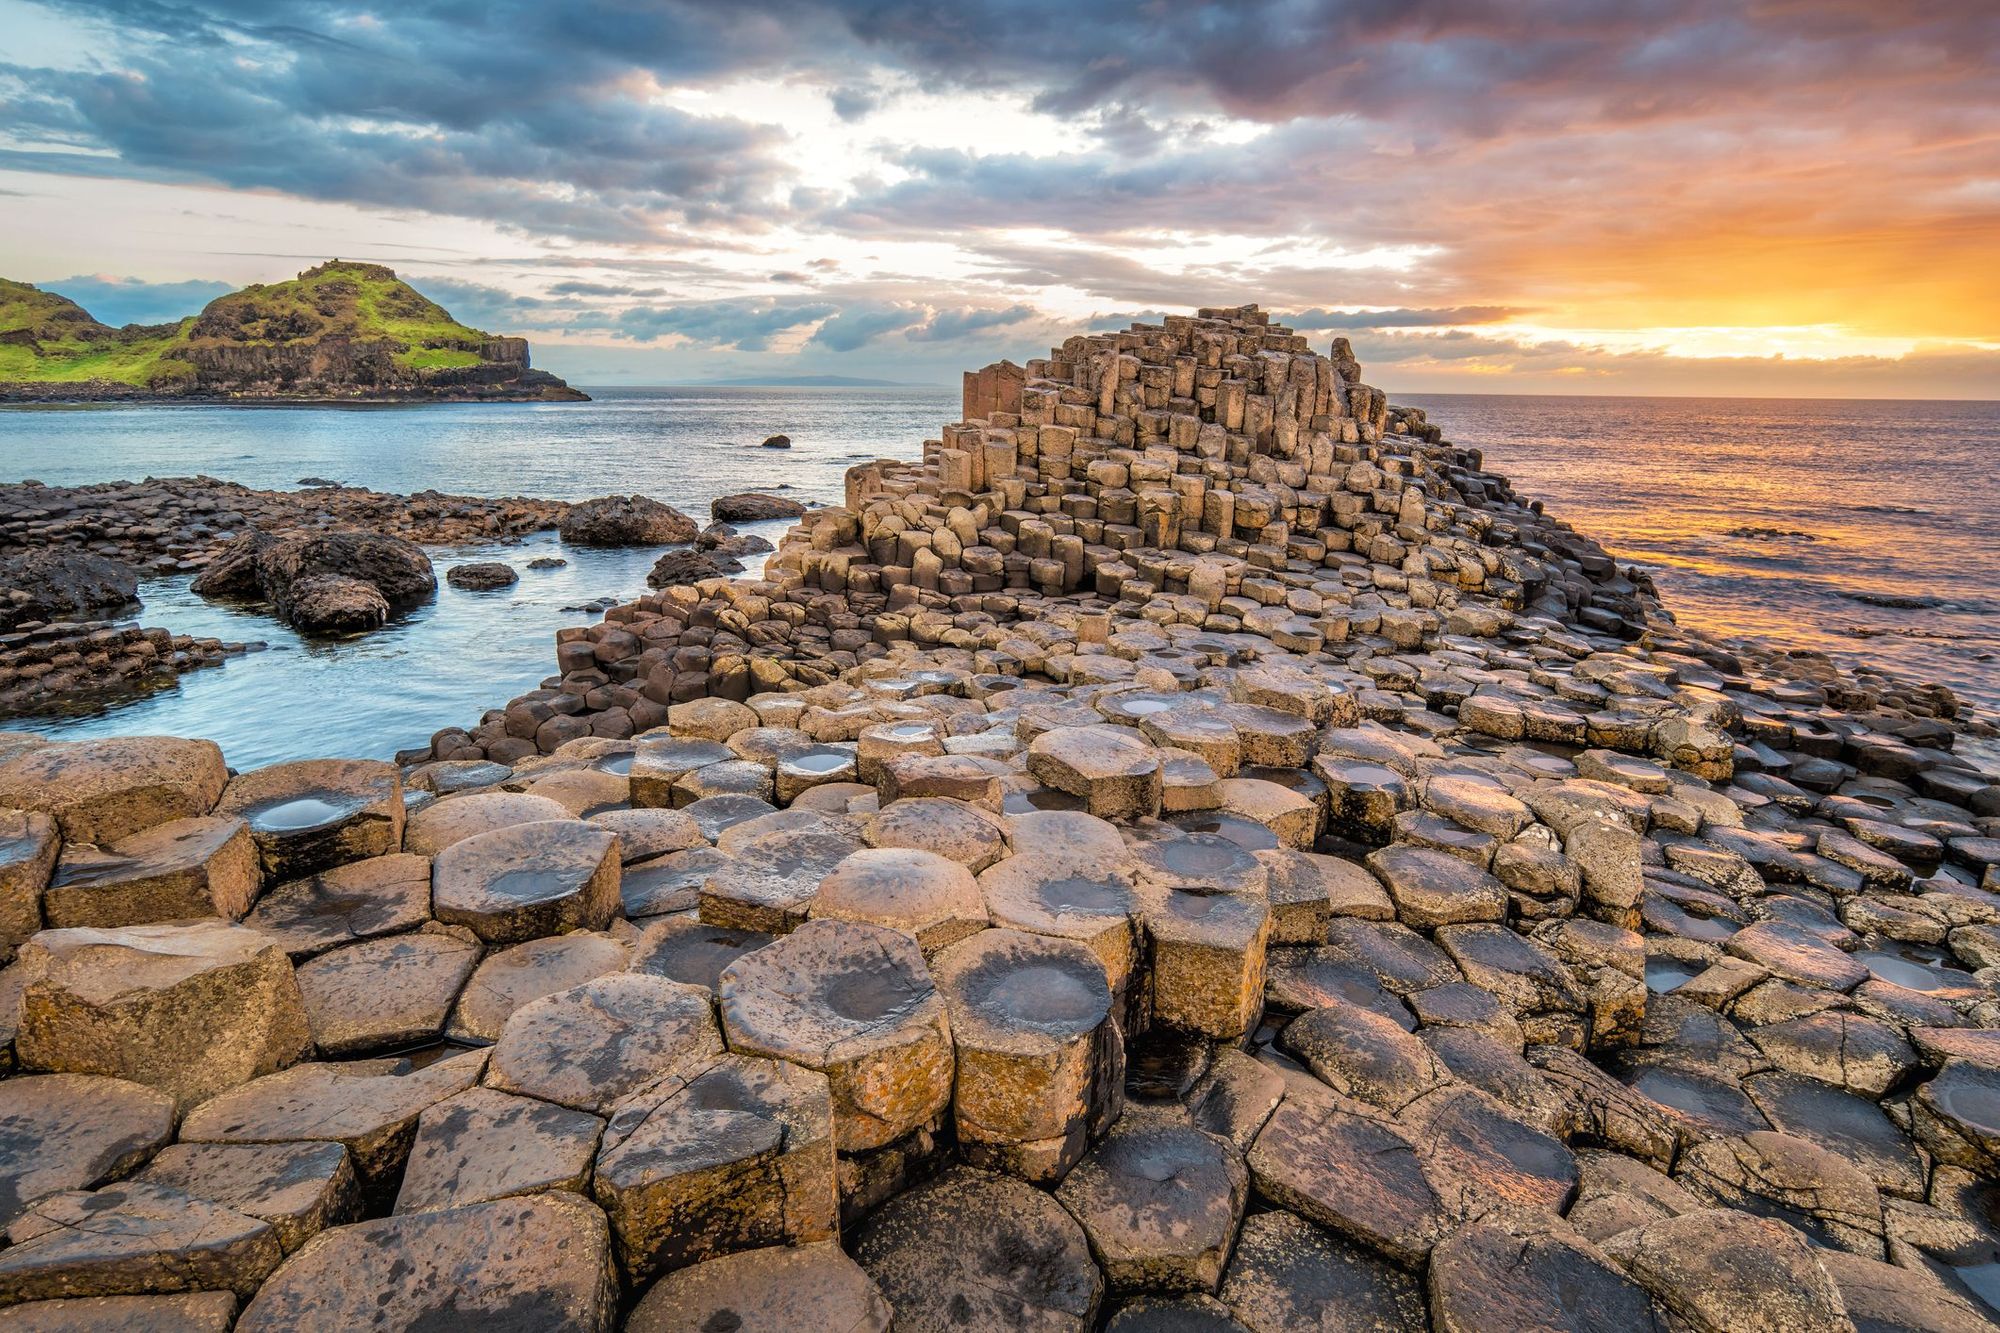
(1195, 851)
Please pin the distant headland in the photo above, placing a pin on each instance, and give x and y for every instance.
(340, 332)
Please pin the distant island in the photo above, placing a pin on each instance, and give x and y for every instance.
(340, 332)
(804, 382)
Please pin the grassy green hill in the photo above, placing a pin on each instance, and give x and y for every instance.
(47, 338)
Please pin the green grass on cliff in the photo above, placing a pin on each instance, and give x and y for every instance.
(45, 337)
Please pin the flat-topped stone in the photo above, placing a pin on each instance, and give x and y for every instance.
(932, 898)
(779, 1287)
(541, 878)
(299, 1188)
(438, 825)
(480, 1145)
(382, 895)
(1287, 1273)
(73, 1131)
(202, 866)
(1160, 1202)
(311, 814)
(1114, 769)
(510, 978)
(29, 846)
(588, 1046)
(385, 993)
(131, 1238)
(99, 791)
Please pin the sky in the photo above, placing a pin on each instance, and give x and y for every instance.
(1766, 197)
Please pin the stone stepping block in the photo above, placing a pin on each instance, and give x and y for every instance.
(668, 884)
(383, 895)
(1208, 959)
(1720, 1268)
(1336, 1163)
(385, 993)
(709, 719)
(1431, 889)
(1698, 1104)
(1479, 1155)
(1303, 888)
(28, 851)
(1853, 1128)
(1293, 816)
(1187, 782)
(1235, 1097)
(129, 1239)
(481, 1145)
(313, 814)
(1523, 975)
(693, 952)
(542, 1262)
(197, 867)
(731, 777)
(1616, 1194)
(716, 815)
(806, 1287)
(368, 1106)
(800, 772)
(73, 1131)
(1080, 842)
(1776, 1175)
(958, 777)
(189, 1009)
(1203, 863)
(1527, 1271)
(1269, 737)
(1362, 1055)
(584, 792)
(1956, 1116)
(1160, 1201)
(588, 1046)
(299, 1188)
(1475, 802)
(1030, 1018)
(1016, 1259)
(1403, 961)
(1194, 728)
(659, 761)
(1863, 1055)
(737, 1156)
(1500, 1070)
(644, 835)
(1797, 955)
(1045, 895)
(930, 897)
(971, 835)
(772, 878)
(1884, 1296)
(883, 742)
(100, 791)
(519, 883)
(1288, 1274)
(855, 1002)
(438, 825)
(1363, 797)
(838, 798)
(1114, 769)
(182, 1312)
(506, 980)
(1298, 979)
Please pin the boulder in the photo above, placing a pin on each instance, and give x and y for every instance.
(626, 520)
(440, 824)
(385, 993)
(526, 972)
(64, 583)
(932, 898)
(1721, 1271)
(753, 507)
(777, 442)
(333, 604)
(332, 582)
(676, 568)
(190, 1009)
(482, 576)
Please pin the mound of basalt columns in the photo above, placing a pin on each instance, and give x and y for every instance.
(1196, 851)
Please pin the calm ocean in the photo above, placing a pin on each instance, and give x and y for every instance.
(1888, 515)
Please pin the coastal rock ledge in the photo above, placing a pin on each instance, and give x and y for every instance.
(1196, 851)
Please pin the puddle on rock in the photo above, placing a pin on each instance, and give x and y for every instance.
(304, 812)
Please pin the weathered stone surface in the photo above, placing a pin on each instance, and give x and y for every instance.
(72, 1131)
(379, 896)
(806, 1287)
(1208, 959)
(28, 850)
(1287, 1274)
(312, 814)
(855, 1002)
(102, 790)
(1362, 1055)
(542, 1263)
(131, 1238)
(506, 980)
(1017, 1261)
(1046, 896)
(1525, 1271)
(1160, 1202)
(627, 520)
(201, 866)
(771, 879)
(1777, 1175)
(384, 993)
(184, 1312)
(737, 1156)
(1886, 1298)
(593, 1044)
(188, 1009)
(1433, 889)
(480, 1145)
(1956, 1116)
(928, 896)
(1115, 771)
(515, 884)
(369, 1106)
(456, 818)
(299, 1188)
(1721, 1271)
(1030, 1017)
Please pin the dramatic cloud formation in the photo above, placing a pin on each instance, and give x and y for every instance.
(1766, 195)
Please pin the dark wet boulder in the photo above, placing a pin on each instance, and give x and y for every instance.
(680, 567)
(333, 582)
(626, 520)
(58, 583)
(333, 604)
(752, 507)
(777, 442)
(482, 576)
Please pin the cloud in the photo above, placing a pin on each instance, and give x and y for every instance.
(118, 301)
(950, 325)
(1404, 318)
(748, 325)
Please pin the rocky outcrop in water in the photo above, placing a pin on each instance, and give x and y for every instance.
(334, 583)
(627, 520)
(63, 584)
(1347, 903)
(754, 507)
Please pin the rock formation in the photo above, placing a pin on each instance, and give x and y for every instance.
(1196, 852)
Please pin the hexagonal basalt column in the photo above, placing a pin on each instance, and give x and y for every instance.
(934, 899)
(738, 1156)
(519, 883)
(855, 1002)
(315, 813)
(593, 1044)
(1160, 1201)
(198, 867)
(658, 762)
(1208, 959)
(1029, 1017)
(1048, 896)
(1112, 768)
